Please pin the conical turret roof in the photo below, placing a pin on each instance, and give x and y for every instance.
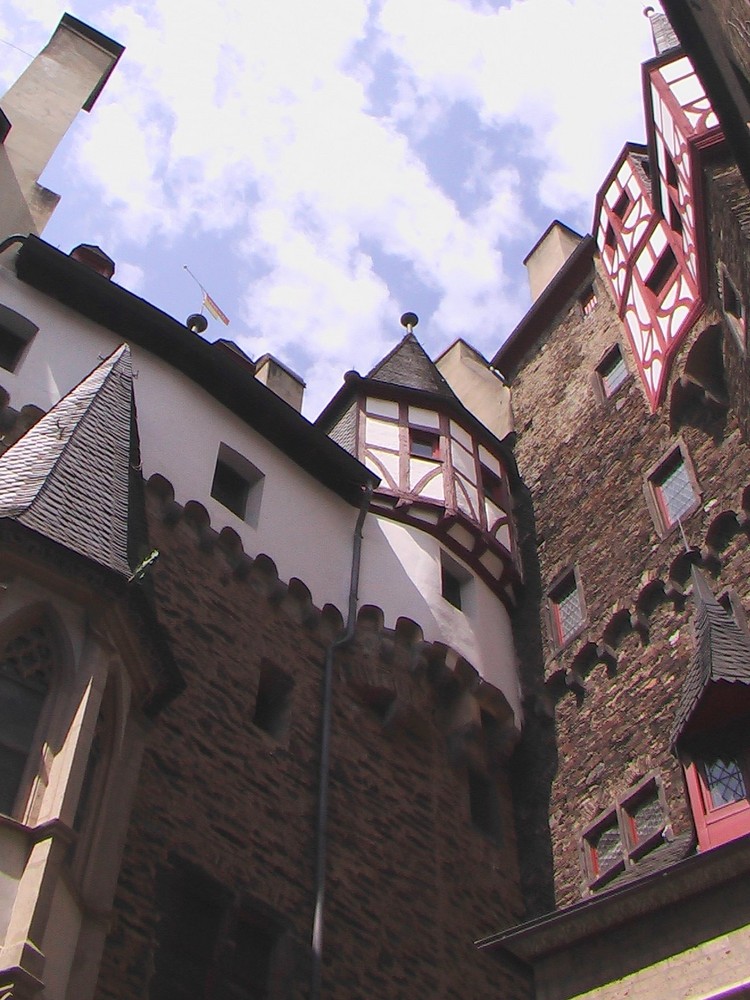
(409, 366)
(69, 477)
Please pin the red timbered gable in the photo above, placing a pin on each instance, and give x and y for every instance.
(647, 220)
(440, 469)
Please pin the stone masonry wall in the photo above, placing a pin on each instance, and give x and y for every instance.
(600, 711)
(411, 883)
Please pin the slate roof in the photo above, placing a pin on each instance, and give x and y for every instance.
(409, 366)
(661, 858)
(722, 651)
(69, 476)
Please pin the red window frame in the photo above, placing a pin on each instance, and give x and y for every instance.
(716, 825)
(424, 444)
(568, 584)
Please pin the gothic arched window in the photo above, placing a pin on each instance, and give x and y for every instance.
(26, 664)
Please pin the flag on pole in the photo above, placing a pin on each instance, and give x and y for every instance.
(217, 313)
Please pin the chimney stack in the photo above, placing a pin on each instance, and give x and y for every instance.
(66, 76)
(548, 255)
(281, 380)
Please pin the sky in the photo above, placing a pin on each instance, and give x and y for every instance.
(324, 167)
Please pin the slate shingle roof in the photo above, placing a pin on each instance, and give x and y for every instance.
(409, 366)
(722, 651)
(69, 476)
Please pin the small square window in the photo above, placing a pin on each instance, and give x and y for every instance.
(237, 485)
(455, 582)
(568, 610)
(15, 333)
(424, 444)
(674, 489)
(661, 272)
(588, 301)
(274, 701)
(612, 372)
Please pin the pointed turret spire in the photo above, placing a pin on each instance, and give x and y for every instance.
(722, 651)
(663, 33)
(68, 478)
(409, 366)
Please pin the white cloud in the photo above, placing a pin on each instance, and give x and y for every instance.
(269, 134)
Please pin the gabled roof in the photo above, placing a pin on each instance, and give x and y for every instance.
(69, 477)
(722, 651)
(408, 366)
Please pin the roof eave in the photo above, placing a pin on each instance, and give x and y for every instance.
(138, 322)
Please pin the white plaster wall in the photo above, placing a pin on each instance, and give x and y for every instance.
(481, 632)
(304, 527)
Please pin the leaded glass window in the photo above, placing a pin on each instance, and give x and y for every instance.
(25, 671)
(647, 816)
(568, 608)
(607, 847)
(674, 489)
(725, 781)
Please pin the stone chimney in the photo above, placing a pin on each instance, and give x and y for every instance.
(549, 254)
(281, 380)
(95, 258)
(66, 76)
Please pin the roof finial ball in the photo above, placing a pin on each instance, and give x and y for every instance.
(648, 11)
(409, 320)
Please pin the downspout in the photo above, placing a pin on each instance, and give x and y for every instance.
(10, 240)
(321, 854)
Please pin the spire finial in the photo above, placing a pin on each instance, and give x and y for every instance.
(409, 320)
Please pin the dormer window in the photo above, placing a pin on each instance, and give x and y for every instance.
(424, 444)
(711, 729)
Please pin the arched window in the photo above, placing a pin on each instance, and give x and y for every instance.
(26, 664)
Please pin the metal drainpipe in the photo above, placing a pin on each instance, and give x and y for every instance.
(10, 240)
(325, 751)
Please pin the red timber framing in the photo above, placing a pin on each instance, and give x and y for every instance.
(650, 229)
(459, 491)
